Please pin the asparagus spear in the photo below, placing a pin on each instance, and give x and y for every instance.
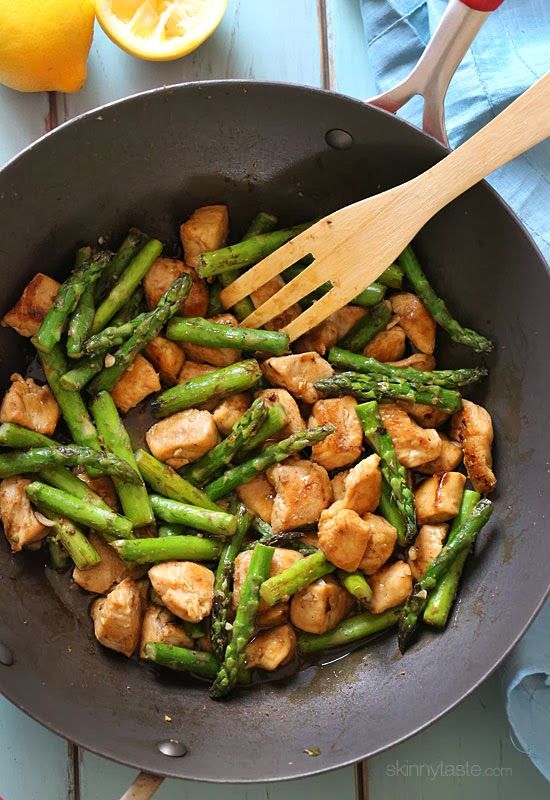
(438, 568)
(215, 305)
(67, 298)
(396, 476)
(169, 548)
(75, 543)
(392, 277)
(243, 625)
(172, 530)
(113, 336)
(214, 334)
(217, 523)
(378, 387)
(391, 512)
(348, 631)
(76, 379)
(237, 256)
(59, 559)
(268, 536)
(182, 659)
(300, 574)
(20, 461)
(131, 309)
(216, 459)
(441, 599)
(149, 327)
(356, 584)
(437, 307)
(370, 296)
(132, 495)
(222, 586)
(58, 502)
(275, 420)
(166, 481)
(79, 323)
(446, 378)
(271, 455)
(263, 222)
(129, 248)
(195, 630)
(127, 283)
(213, 386)
(366, 329)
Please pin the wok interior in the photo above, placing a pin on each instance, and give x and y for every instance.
(149, 162)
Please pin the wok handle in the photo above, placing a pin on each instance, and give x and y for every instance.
(143, 788)
(430, 78)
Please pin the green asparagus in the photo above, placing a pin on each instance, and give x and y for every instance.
(76, 379)
(348, 631)
(370, 296)
(281, 587)
(167, 548)
(113, 336)
(275, 420)
(83, 554)
(392, 277)
(391, 512)
(292, 539)
(356, 584)
(172, 530)
(366, 328)
(129, 248)
(166, 482)
(217, 523)
(196, 330)
(59, 559)
(64, 455)
(215, 305)
(131, 309)
(181, 659)
(81, 320)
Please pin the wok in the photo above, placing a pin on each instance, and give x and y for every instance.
(149, 161)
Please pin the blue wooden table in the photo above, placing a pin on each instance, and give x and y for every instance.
(468, 754)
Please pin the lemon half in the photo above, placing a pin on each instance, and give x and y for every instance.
(159, 30)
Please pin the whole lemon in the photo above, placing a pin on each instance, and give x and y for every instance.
(44, 44)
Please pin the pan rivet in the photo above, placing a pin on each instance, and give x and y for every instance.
(173, 748)
(338, 139)
(6, 656)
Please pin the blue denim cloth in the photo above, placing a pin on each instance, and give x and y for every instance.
(510, 52)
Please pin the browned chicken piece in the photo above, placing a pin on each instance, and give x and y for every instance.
(426, 547)
(383, 537)
(424, 362)
(135, 384)
(298, 373)
(343, 536)
(295, 423)
(258, 495)
(206, 229)
(390, 586)
(117, 617)
(185, 588)
(473, 428)
(388, 345)
(447, 461)
(28, 404)
(320, 606)
(166, 357)
(183, 437)
(413, 445)
(193, 370)
(27, 314)
(362, 486)
(110, 570)
(162, 275)
(275, 615)
(438, 498)
(216, 356)
(21, 527)
(264, 293)
(159, 625)
(102, 485)
(344, 446)
(282, 559)
(271, 649)
(329, 332)
(338, 481)
(229, 411)
(416, 321)
(427, 416)
(303, 491)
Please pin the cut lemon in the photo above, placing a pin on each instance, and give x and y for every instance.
(159, 30)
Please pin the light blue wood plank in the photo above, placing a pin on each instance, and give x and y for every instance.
(23, 118)
(34, 763)
(348, 65)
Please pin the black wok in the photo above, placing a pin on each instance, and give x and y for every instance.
(149, 161)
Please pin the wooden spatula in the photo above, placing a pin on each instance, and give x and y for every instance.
(353, 246)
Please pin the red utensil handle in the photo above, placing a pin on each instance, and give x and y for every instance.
(483, 5)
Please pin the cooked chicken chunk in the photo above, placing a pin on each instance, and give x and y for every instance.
(272, 648)
(20, 524)
(473, 428)
(438, 498)
(383, 537)
(343, 447)
(217, 356)
(320, 606)
(424, 362)
(415, 320)
(362, 486)
(427, 416)
(183, 437)
(185, 588)
(338, 481)
(303, 491)
(166, 357)
(426, 547)
(102, 485)
(298, 373)
(135, 384)
(27, 314)
(117, 617)
(388, 345)
(447, 461)
(329, 332)
(162, 275)
(295, 423)
(266, 291)
(390, 586)
(159, 625)
(193, 370)
(343, 536)
(258, 495)
(206, 229)
(229, 411)
(275, 615)
(30, 405)
(282, 559)
(110, 570)
(413, 445)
